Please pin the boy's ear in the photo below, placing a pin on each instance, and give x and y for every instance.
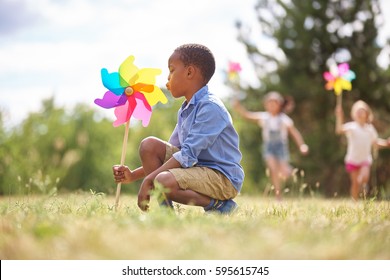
(191, 71)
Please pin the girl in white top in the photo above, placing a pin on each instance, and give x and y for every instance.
(276, 127)
(362, 137)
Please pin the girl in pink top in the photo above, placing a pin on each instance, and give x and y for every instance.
(362, 137)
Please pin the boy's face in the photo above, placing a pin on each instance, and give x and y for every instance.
(177, 76)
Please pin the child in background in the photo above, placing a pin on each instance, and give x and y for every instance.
(362, 137)
(200, 165)
(276, 127)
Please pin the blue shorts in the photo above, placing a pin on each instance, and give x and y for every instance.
(276, 149)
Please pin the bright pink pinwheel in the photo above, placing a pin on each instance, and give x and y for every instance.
(131, 91)
(339, 78)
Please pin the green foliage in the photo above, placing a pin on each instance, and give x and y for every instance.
(59, 150)
(307, 35)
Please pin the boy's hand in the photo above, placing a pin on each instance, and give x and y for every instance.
(122, 174)
(144, 194)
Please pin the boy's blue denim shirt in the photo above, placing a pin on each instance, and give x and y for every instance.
(205, 135)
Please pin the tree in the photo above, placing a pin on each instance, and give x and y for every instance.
(60, 150)
(306, 36)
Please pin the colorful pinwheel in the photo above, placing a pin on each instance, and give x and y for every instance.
(233, 79)
(131, 91)
(339, 78)
(234, 69)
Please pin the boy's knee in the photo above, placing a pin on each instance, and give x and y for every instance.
(163, 178)
(167, 180)
(148, 145)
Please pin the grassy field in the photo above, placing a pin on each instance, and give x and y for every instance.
(86, 226)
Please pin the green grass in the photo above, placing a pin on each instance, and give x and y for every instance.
(86, 226)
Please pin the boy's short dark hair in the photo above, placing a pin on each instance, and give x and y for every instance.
(199, 56)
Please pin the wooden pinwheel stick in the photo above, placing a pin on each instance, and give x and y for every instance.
(123, 157)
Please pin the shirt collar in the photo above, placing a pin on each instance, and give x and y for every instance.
(196, 97)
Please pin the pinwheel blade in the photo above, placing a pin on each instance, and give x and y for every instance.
(334, 70)
(142, 110)
(338, 87)
(329, 85)
(345, 84)
(147, 76)
(234, 67)
(155, 96)
(143, 87)
(128, 72)
(111, 81)
(111, 100)
(349, 76)
(328, 76)
(343, 68)
(123, 113)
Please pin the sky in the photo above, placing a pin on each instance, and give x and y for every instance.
(58, 47)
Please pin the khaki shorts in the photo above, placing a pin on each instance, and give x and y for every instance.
(204, 180)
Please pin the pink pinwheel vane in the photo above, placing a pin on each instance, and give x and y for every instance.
(339, 78)
(131, 91)
(234, 68)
